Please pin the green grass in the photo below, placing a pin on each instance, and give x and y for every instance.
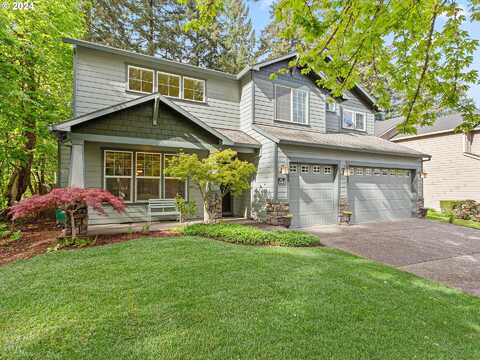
(437, 216)
(193, 298)
(249, 235)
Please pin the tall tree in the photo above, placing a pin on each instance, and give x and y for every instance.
(237, 38)
(272, 44)
(420, 47)
(34, 90)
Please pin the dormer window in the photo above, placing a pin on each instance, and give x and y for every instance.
(140, 79)
(193, 89)
(354, 120)
(168, 84)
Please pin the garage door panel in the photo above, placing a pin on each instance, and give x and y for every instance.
(312, 196)
(378, 197)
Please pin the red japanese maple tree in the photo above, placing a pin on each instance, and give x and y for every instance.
(70, 200)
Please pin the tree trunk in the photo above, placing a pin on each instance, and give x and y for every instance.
(207, 217)
(72, 224)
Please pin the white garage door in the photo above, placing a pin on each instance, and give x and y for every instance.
(312, 194)
(380, 194)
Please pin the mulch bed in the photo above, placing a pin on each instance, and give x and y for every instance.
(38, 236)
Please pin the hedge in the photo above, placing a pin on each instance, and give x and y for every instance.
(249, 235)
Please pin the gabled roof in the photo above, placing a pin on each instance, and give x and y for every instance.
(67, 125)
(369, 98)
(349, 142)
(443, 124)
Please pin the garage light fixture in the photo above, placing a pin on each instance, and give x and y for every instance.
(423, 174)
(284, 169)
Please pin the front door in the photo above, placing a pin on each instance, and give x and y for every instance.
(227, 205)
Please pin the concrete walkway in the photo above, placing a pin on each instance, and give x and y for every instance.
(446, 253)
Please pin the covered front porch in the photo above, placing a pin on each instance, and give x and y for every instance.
(125, 150)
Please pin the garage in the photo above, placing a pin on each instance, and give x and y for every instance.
(380, 194)
(312, 195)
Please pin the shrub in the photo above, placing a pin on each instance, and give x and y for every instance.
(187, 209)
(249, 235)
(446, 206)
(70, 200)
(467, 210)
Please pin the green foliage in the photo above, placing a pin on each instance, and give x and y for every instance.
(78, 242)
(416, 51)
(447, 205)
(445, 217)
(221, 172)
(249, 235)
(146, 228)
(35, 83)
(187, 209)
(467, 210)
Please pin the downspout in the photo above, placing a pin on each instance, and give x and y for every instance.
(275, 172)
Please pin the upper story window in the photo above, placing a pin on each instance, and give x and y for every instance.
(168, 84)
(331, 105)
(193, 89)
(291, 104)
(354, 120)
(140, 79)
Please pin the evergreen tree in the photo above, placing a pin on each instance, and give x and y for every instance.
(238, 37)
(272, 45)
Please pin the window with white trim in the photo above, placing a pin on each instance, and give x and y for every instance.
(354, 120)
(392, 172)
(291, 104)
(368, 171)
(140, 79)
(331, 105)
(316, 168)
(305, 168)
(168, 84)
(327, 170)
(147, 175)
(193, 89)
(377, 172)
(118, 173)
(384, 172)
(293, 168)
(359, 171)
(173, 186)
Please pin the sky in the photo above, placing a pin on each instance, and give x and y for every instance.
(259, 11)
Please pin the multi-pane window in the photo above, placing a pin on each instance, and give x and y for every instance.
(359, 171)
(193, 89)
(392, 172)
(173, 186)
(118, 173)
(140, 79)
(384, 171)
(148, 176)
(327, 170)
(354, 120)
(316, 168)
(331, 105)
(168, 84)
(305, 168)
(377, 172)
(291, 105)
(293, 168)
(368, 171)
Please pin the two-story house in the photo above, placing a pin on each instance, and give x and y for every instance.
(319, 154)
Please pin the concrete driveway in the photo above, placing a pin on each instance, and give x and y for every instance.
(445, 253)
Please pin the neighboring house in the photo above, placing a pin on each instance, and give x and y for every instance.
(132, 111)
(453, 173)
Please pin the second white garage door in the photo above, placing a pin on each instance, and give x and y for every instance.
(312, 194)
(379, 194)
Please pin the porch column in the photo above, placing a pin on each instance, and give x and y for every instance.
(77, 164)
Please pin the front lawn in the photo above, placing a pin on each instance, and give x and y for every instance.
(438, 216)
(193, 298)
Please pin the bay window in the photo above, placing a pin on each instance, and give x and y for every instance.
(140, 79)
(118, 173)
(173, 186)
(354, 120)
(148, 176)
(291, 104)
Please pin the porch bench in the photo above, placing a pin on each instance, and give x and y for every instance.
(161, 207)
